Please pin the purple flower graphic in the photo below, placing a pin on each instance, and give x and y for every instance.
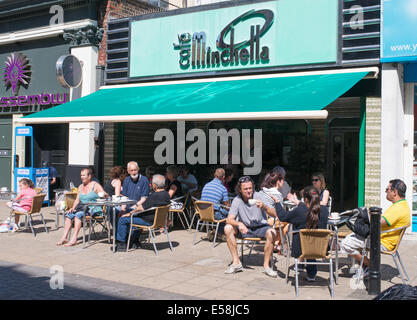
(16, 71)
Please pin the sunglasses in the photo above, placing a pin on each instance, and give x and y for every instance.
(315, 180)
(245, 179)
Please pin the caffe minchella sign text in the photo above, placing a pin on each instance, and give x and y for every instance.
(193, 50)
(260, 35)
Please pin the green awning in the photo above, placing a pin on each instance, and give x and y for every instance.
(278, 96)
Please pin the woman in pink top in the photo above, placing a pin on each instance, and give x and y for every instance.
(24, 199)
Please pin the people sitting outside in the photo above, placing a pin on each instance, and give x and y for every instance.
(270, 186)
(113, 187)
(319, 183)
(229, 175)
(160, 197)
(173, 186)
(285, 189)
(247, 220)
(396, 216)
(23, 201)
(149, 172)
(306, 215)
(87, 192)
(188, 181)
(215, 192)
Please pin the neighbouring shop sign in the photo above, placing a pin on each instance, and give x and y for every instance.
(17, 72)
(398, 28)
(259, 35)
(42, 99)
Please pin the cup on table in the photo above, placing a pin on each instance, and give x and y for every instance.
(124, 198)
(101, 194)
(334, 215)
(252, 202)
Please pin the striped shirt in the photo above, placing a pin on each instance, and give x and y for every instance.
(214, 191)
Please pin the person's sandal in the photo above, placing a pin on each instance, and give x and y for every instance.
(60, 243)
(233, 269)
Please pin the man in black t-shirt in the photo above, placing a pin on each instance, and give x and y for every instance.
(158, 198)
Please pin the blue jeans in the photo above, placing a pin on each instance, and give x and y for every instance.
(124, 225)
(219, 215)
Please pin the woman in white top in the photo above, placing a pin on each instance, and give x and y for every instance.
(270, 193)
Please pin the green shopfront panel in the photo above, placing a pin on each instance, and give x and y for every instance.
(290, 33)
(5, 153)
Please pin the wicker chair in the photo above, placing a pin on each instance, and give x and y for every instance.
(314, 245)
(35, 209)
(160, 221)
(205, 211)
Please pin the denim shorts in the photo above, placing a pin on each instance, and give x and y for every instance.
(256, 232)
(72, 215)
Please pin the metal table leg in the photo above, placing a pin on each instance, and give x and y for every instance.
(114, 229)
(336, 269)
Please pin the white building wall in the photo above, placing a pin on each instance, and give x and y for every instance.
(81, 135)
(397, 131)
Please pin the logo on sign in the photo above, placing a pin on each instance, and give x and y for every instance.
(17, 71)
(193, 51)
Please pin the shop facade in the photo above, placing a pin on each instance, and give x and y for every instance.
(307, 74)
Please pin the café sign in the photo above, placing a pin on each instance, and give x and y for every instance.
(230, 37)
(192, 49)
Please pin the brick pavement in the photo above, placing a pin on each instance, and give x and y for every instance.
(188, 272)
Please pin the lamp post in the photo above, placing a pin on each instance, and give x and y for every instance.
(375, 252)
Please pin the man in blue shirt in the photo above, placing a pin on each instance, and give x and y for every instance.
(135, 187)
(215, 191)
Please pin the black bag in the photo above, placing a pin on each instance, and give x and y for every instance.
(81, 207)
(359, 222)
(398, 292)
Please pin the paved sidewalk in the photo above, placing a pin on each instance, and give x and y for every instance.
(188, 272)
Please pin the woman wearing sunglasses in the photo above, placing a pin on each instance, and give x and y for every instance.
(318, 182)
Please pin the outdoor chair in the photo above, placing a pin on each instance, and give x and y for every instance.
(314, 245)
(35, 209)
(98, 219)
(193, 206)
(394, 254)
(69, 198)
(38, 190)
(181, 211)
(205, 210)
(160, 221)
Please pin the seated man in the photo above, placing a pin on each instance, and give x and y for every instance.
(248, 220)
(158, 198)
(396, 216)
(135, 187)
(215, 191)
(188, 181)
